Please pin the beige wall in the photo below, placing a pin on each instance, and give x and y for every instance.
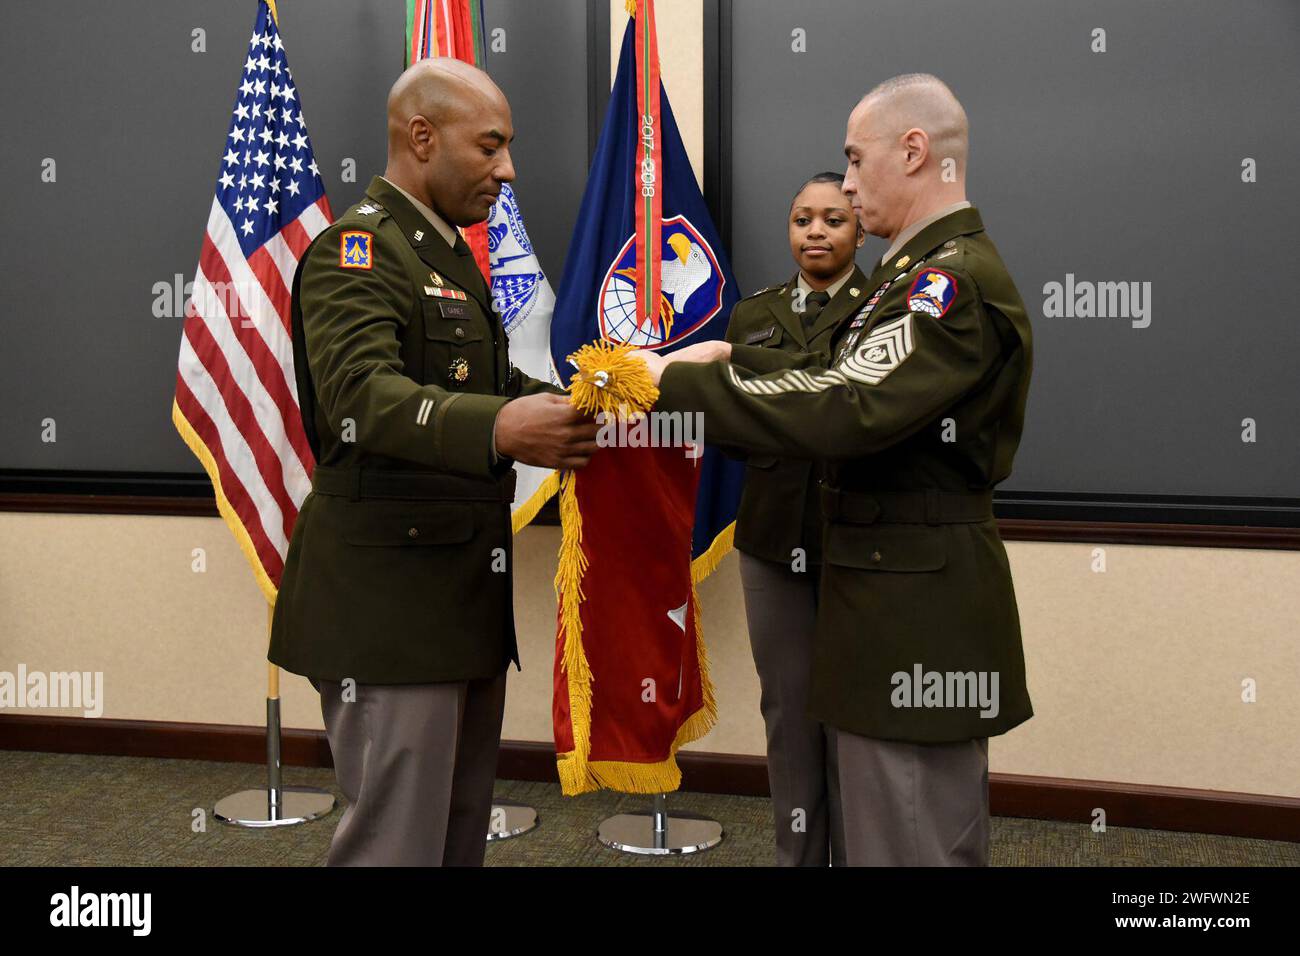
(680, 27)
(1135, 672)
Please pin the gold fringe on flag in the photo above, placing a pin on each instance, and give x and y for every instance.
(568, 588)
(610, 380)
(224, 507)
(526, 512)
(708, 562)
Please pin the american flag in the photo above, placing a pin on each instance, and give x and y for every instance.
(236, 401)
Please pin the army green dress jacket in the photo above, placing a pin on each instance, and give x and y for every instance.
(399, 568)
(917, 416)
(780, 518)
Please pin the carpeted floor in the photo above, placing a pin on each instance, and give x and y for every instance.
(68, 809)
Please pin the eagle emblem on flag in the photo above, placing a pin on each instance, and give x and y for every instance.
(690, 290)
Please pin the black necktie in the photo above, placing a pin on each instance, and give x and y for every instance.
(813, 303)
(462, 249)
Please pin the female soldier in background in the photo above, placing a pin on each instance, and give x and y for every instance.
(778, 526)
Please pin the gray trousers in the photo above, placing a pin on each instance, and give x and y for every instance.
(914, 804)
(781, 610)
(416, 763)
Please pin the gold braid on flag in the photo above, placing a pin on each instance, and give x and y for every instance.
(609, 380)
(607, 377)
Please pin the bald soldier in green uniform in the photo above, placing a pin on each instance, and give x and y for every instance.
(396, 595)
(917, 659)
(779, 526)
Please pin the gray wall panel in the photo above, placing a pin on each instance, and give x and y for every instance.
(1116, 166)
(137, 125)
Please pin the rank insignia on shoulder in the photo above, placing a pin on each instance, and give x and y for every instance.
(945, 255)
(932, 293)
(433, 290)
(355, 249)
(880, 352)
(366, 209)
(771, 288)
(762, 335)
(458, 371)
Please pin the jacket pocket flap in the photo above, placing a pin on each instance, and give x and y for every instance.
(410, 526)
(453, 331)
(887, 547)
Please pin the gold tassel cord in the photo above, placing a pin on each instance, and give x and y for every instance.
(610, 380)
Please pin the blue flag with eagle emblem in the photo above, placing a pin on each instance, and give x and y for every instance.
(597, 297)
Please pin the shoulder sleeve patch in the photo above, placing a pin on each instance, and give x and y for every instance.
(356, 249)
(932, 292)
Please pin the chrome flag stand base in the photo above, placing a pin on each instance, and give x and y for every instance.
(657, 834)
(274, 805)
(510, 819)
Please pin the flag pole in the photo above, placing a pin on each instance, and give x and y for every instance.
(652, 832)
(655, 833)
(274, 805)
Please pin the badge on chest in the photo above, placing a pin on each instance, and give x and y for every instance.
(458, 371)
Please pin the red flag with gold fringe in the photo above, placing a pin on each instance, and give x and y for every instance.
(631, 672)
(653, 514)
